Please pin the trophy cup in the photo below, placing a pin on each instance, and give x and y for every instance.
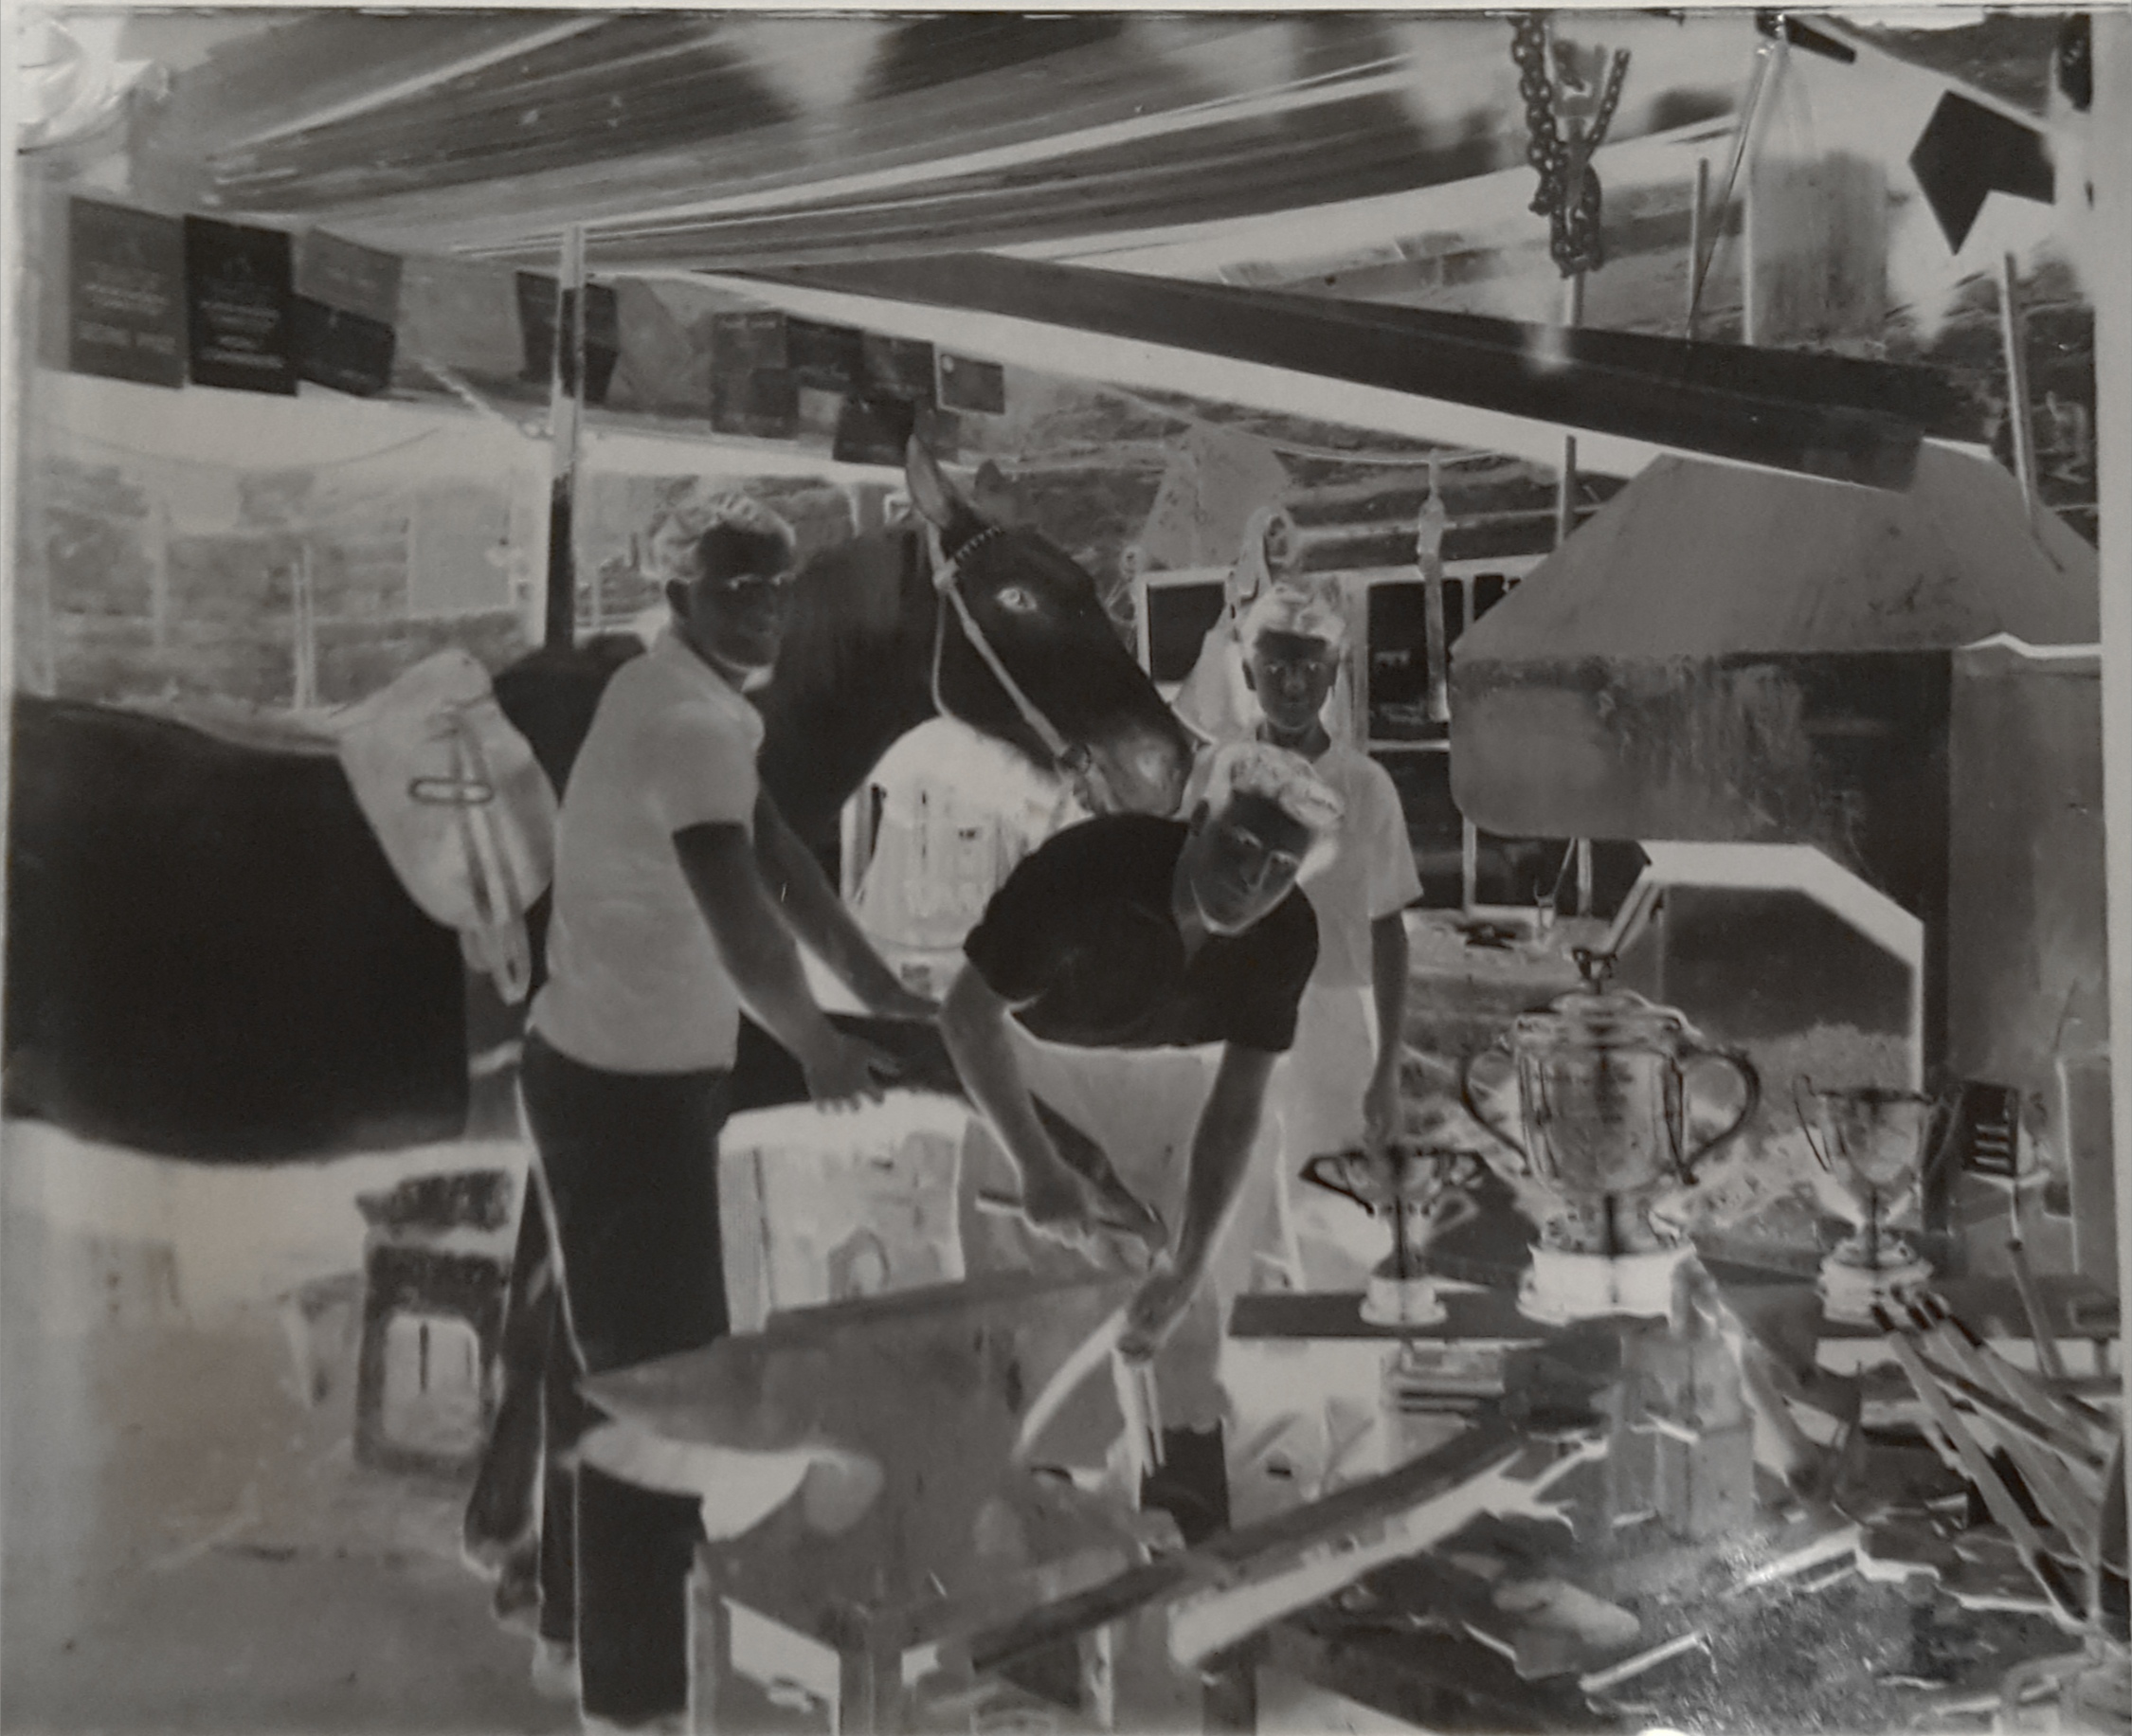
(1874, 1141)
(1601, 1080)
(1423, 1191)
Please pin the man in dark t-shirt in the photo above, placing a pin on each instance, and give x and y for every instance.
(1137, 978)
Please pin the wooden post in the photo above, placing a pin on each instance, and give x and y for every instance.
(1695, 247)
(2110, 285)
(306, 694)
(1753, 308)
(565, 413)
(2012, 337)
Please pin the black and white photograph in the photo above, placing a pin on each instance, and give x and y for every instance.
(966, 872)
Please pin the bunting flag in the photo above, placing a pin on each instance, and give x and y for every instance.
(163, 299)
(899, 368)
(126, 288)
(1170, 538)
(1235, 475)
(237, 296)
(1967, 152)
(965, 385)
(827, 357)
(346, 310)
(753, 389)
(459, 315)
(544, 359)
(764, 403)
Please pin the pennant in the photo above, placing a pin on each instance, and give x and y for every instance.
(125, 307)
(828, 357)
(658, 367)
(875, 430)
(965, 385)
(1967, 152)
(236, 304)
(897, 368)
(742, 343)
(765, 404)
(356, 279)
(461, 315)
(1170, 538)
(348, 351)
(1820, 254)
(544, 359)
(1235, 473)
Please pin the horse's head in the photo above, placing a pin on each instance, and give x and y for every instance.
(1027, 654)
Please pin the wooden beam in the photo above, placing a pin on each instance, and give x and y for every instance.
(1235, 1584)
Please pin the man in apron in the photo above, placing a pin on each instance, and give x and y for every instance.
(1122, 1007)
(1338, 1086)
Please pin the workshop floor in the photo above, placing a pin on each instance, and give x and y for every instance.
(189, 1547)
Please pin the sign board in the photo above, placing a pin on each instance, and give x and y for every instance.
(237, 291)
(126, 294)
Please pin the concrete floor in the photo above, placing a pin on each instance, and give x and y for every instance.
(188, 1546)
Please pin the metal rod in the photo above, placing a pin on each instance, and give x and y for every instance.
(2014, 339)
(1695, 246)
(565, 414)
(1565, 490)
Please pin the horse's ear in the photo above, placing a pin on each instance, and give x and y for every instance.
(933, 493)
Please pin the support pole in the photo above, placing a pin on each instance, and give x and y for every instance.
(2012, 337)
(1565, 491)
(2110, 163)
(1565, 522)
(1695, 248)
(565, 400)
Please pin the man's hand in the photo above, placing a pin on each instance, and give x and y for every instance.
(1159, 1306)
(844, 1071)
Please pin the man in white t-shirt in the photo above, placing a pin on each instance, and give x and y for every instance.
(678, 893)
(1338, 1086)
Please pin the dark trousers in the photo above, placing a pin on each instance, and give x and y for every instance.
(629, 1169)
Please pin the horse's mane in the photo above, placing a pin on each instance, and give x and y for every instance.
(845, 610)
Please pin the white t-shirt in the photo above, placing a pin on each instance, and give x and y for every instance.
(635, 983)
(1372, 875)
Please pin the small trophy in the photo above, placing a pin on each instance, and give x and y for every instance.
(1424, 1191)
(1873, 1141)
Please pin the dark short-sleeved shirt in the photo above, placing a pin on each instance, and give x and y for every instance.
(1083, 942)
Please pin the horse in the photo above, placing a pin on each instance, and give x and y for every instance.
(209, 957)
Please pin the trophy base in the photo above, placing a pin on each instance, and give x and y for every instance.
(1563, 1287)
(1850, 1291)
(1398, 1302)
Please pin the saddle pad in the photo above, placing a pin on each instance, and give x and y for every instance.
(460, 805)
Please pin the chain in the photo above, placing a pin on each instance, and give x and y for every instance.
(1576, 240)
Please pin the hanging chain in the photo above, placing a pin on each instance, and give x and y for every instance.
(1568, 194)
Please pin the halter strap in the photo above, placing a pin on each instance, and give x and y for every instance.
(947, 580)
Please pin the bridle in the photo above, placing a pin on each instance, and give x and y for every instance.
(1071, 757)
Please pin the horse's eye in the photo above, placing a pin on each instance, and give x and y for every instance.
(1018, 600)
